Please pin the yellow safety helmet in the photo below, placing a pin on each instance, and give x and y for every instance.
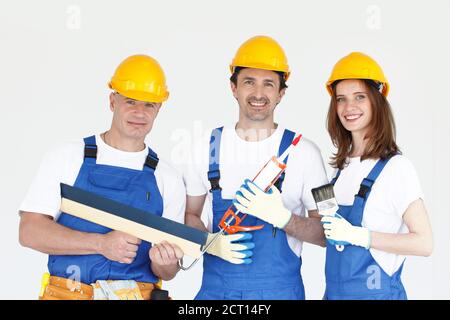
(261, 52)
(140, 77)
(358, 65)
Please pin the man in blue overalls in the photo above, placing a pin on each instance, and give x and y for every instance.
(118, 165)
(238, 151)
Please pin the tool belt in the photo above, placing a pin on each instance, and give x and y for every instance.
(57, 288)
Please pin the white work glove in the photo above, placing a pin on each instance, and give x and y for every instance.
(267, 206)
(341, 232)
(228, 248)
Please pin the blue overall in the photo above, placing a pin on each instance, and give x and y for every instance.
(136, 188)
(353, 274)
(275, 270)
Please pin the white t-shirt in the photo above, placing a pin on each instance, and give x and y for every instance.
(240, 160)
(395, 189)
(63, 164)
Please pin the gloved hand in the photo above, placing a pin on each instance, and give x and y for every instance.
(341, 232)
(228, 248)
(266, 206)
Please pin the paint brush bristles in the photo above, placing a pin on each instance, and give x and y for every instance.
(325, 199)
(323, 192)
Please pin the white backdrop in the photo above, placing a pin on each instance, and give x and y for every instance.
(57, 56)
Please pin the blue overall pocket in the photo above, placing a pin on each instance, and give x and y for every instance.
(112, 185)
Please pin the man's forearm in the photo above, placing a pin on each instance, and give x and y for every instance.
(194, 220)
(165, 272)
(306, 229)
(45, 235)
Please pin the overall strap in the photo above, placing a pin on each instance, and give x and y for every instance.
(367, 183)
(333, 181)
(286, 141)
(90, 150)
(90, 154)
(214, 157)
(357, 212)
(151, 162)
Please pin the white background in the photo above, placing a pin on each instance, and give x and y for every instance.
(57, 56)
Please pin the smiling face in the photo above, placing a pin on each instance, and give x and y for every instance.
(354, 108)
(258, 93)
(132, 119)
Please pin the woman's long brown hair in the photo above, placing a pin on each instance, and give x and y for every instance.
(381, 134)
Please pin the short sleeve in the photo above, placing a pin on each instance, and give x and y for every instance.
(174, 198)
(405, 185)
(44, 195)
(193, 170)
(314, 173)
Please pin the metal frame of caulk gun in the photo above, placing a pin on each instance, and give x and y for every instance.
(223, 226)
(236, 228)
(208, 245)
(218, 234)
(226, 224)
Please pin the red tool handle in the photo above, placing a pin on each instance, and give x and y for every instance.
(236, 227)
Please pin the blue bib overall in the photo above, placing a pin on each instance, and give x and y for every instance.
(353, 274)
(275, 270)
(136, 188)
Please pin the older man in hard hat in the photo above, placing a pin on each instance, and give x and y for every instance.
(238, 151)
(115, 164)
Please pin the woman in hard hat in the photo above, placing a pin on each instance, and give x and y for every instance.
(382, 216)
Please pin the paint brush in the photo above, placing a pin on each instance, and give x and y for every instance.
(326, 203)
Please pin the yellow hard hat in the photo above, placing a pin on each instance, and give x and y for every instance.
(140, 77)
(358, 65)
(261, 52)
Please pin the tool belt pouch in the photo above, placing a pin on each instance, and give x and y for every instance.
(117, 290)
(159, 294)
(65, 289)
